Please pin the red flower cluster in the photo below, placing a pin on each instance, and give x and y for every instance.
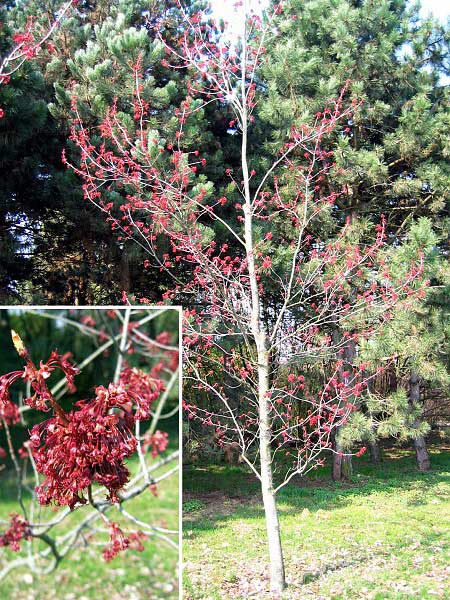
(142, 388)
(6, 382)
(90, 443)
(18, 529)
(37, 378)
(9, 412)
(88, 446)
(120, 542)
(25, 37)
(158, 442)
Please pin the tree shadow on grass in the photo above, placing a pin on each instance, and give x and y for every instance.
(227, 492)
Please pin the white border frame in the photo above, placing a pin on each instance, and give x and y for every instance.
(179, 310)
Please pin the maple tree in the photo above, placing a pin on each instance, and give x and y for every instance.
(168, 207)
(82, 452)
(322, 283)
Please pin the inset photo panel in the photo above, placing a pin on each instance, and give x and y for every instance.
(89, 452)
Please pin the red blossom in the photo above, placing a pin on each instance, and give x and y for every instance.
(267, 262)
(9, 412)
(37, 377)
(142, 388)
(18, 529)
(88, 446)
(42, 397)
(6, 381)
(164, 338)
(120, 542)
(88, 320)
(23, 451)
(158, 442)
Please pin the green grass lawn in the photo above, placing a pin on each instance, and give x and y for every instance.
(84, 574)
(383, 535)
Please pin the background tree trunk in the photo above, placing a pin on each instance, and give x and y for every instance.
(375, 453)
(124, 271)
(342, 465)
(420, 445)
(423, 459)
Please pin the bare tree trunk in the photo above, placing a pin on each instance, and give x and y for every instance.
(342, 464)
(277, 575)
(375, 453)
(420, 445)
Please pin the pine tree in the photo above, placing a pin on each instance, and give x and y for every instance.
(393, 154)
(419, 339)
(98, 75)
(48, 256)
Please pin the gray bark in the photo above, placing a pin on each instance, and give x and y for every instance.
(277, 575)
(420, 445)
(375, 453)
(423, 459)
(342, 465)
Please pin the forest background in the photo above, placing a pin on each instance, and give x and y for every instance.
(397, 162)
